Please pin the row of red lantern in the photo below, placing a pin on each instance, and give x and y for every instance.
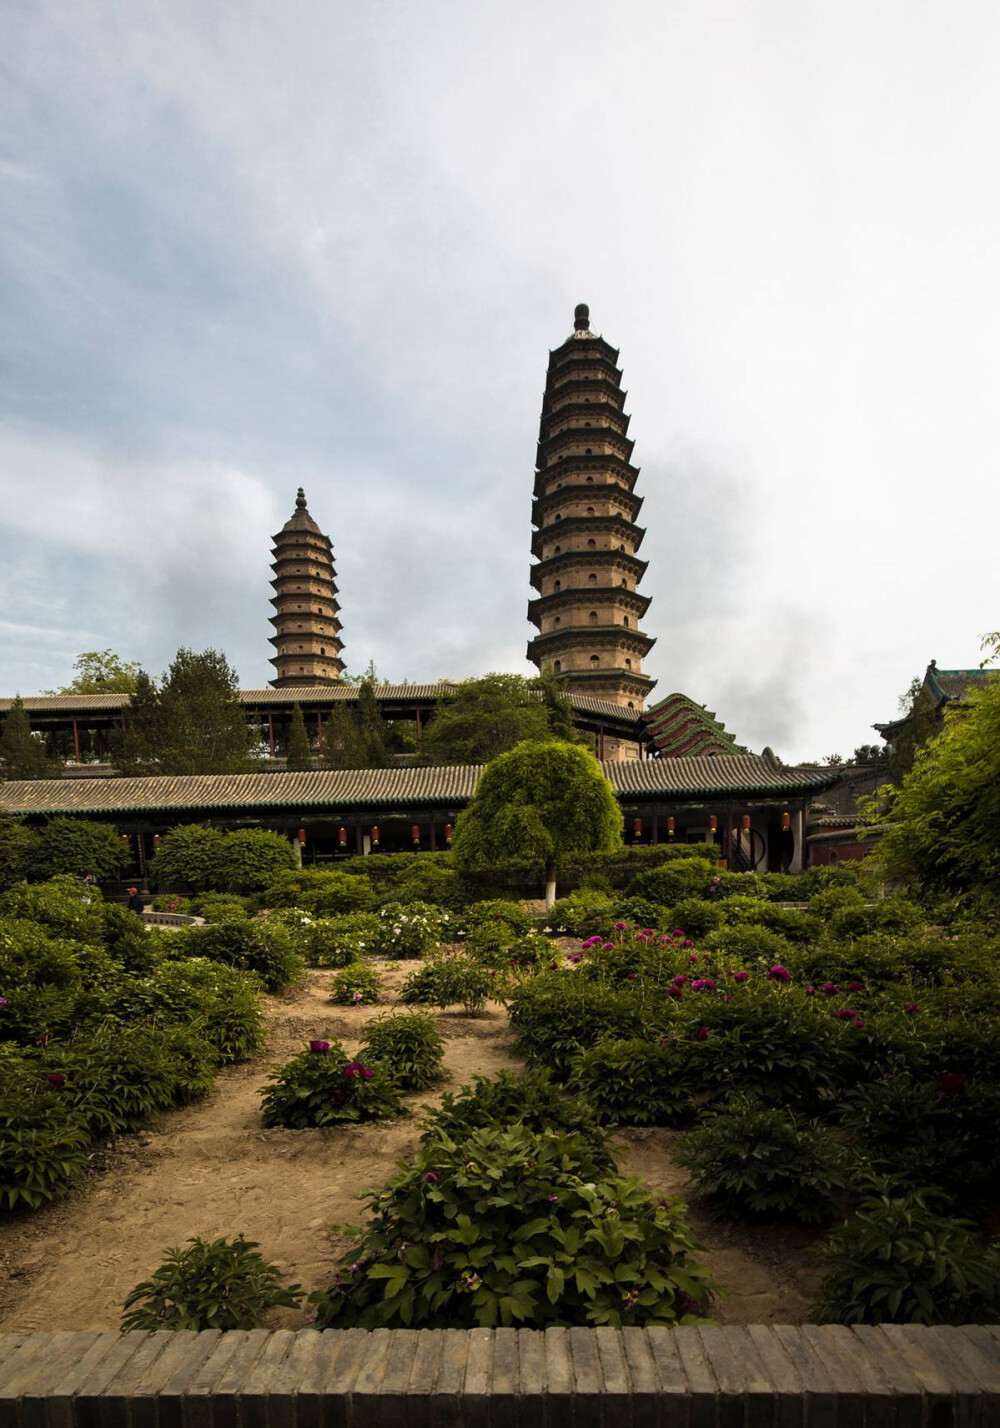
(713, 824)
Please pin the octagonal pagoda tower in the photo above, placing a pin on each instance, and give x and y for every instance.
(306, 635)
(586, 539)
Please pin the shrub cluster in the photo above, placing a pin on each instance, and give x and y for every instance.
(99, 1028)
(323, 1086)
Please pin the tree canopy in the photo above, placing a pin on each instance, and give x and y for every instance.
(22, 753)
(101, 672)
(299, 755)
(943, 833)
(190, 723)
(539, 802)
(486, 717)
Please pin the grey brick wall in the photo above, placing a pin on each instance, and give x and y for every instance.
(730, 1377)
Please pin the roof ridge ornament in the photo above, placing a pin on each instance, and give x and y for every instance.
(300, 500)
(581, 317)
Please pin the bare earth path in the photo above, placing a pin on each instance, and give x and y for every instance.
(211, 1169)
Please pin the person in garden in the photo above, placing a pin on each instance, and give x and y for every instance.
(136, 902)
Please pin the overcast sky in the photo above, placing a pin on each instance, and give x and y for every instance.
(246, 246)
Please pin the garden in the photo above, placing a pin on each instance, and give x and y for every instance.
(388, 1095)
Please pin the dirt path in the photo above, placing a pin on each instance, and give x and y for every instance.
(211, 1169)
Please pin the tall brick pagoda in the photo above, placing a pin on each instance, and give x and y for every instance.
(587, 574)
(306, 635)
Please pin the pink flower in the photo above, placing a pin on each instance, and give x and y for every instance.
(778, 973)
(846, 1014)
(57, 1079)
(703, 984)
(552, 1198)
(693, 957)
(741, 976)
(4, 1003)
(675, 991)
(680, 979)
(319, 1046)
(855, 986)
(857, 1022)
(951, 1082)
(352, 1069)
(703, 1033)
(830, 989)
(912, 1008)
(687, 942)
(727, 998)
(431, 1177)
(810, 991)
(621, 926)
(677, 932)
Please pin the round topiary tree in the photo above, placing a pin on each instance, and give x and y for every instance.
(542, 801)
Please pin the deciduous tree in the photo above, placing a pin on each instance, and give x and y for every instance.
(485, 717)
(191, 723)
(538, 802)
(101, 672)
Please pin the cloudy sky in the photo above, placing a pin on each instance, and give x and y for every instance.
(246, 246)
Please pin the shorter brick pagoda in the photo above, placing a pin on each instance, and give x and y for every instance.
(306, 622)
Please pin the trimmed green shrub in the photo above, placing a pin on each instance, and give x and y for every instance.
(581, 914)
(188, 857)
(427, 881)
(77, 846)
(251, 859)
(323, 894)
(337, 941)
(62, 906)
(408, 1045)
(679, 878)
(18, 846)
(322, 1086)
(499, 912)
(453, 980)
(127, 940)
(220, 907)
(516, 1227)
(216, 1000)
(641, 912)
(763, 1162)
(749, 942)
(410, 930)
(695, 915)
(894, 915)
(261, 947)
(356, 986)
(634, 1082)
(899, 1261)
(217, 1284)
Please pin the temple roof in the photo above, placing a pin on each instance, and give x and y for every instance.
(678, 726)
(747, 775)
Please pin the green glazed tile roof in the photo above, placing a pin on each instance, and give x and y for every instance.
(677, 727)
(748, 775)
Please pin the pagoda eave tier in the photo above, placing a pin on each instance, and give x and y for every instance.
(593, 559)
(599, 637)
(591, 595)
(282, 584)
(596, 393)
(595, 416)
(626, 681)
(614, 527)
(555, 500)
(548, 449)
(587, 348)
(623, 471)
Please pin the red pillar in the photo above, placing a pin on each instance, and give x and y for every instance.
(76, 742)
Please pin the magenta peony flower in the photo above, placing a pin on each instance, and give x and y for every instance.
(846, 1014)
(703, 984)
(621, 926)
(912, 1007)
(678, 932)
(855, 986)
(810, 991)
(830, 989)
(741, 976)
(367, 1072)
(778, 973)
(951, 1082)
(675, 991)
(319, 1046)
(687, 942)
(431, 1177)
(4, 1003)
(552, 1198)
(858, 1021)
(703, 1033)
(680, 979)
(57, 1079)
(728, 997)
(352, 1069)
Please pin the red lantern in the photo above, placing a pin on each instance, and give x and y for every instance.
(301, 835)
(447, 833)
(375, 836)
(415, 833)
(713, 823)
(637, 827)
(156, 842)
(670, 827)
(786, 822)
(342, 837)
(745, 823)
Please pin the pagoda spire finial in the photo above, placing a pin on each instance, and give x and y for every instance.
(300, 500)
(581, 317)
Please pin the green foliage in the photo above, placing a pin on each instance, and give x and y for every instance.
(679, 878)
(500, 949)
(634, 1082)
(188, 857)
(894, 915)
(220, 907)
(356, 986)
(100, 672)
(337, 941)
(696, 916)
(482, 718)
(18, 845)
(452, 980)
(24, 755)
(540, 801)
(300, 755)
(532, 1098)
(322, 1086)
(409, 1047)
(324, 894)
(749, 942)
(426, 880)
(899, 1261)
(218, 1284)
(582, 913)
(250, 860)
(515, 1227)
(74, 845)
(356, 737)
(62, 906)
(261, 947)
(556, 1016)
(499, 911)
(943, 833)
(763, 1162)
(43, 1150)
(409, 930)
(218, 1002)
(191, 723)
(127, 940)
(118, 1076)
